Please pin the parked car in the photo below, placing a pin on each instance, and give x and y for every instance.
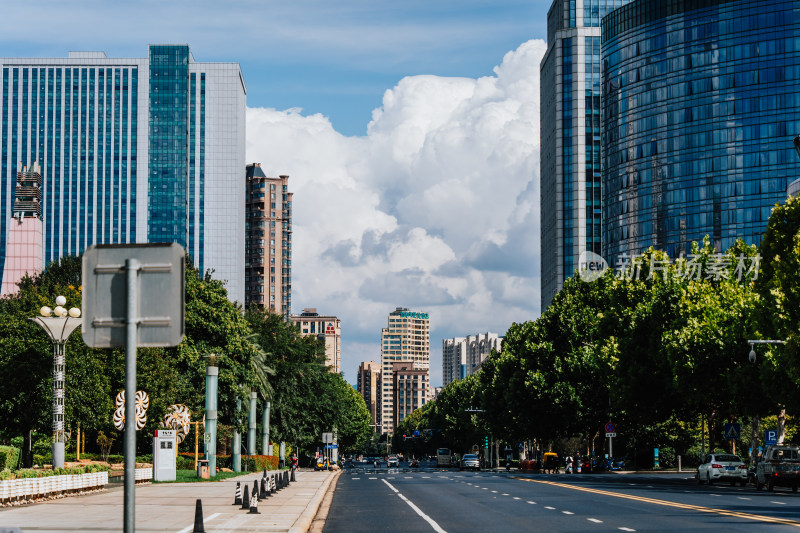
(392, 461)
(470, 461)
(722, 467)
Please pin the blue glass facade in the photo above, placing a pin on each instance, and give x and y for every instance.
(699, 109)
(571, 174)
(169, 128)
(62, 117)
(123, 152)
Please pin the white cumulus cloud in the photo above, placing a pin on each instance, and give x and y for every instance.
(436, 208)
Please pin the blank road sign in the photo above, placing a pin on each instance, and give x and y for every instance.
(160, 288)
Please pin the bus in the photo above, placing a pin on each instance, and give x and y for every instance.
(443, 457)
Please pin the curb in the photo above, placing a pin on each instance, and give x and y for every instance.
(303, 523)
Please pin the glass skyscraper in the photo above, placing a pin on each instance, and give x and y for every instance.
(570, 139)
(700, 105)
(130, 150)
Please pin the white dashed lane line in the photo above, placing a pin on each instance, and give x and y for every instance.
(625, 529)
(532, 503)
(595, 520)
(548, 507)
(743, 498)
(567, 512)
(779, 503)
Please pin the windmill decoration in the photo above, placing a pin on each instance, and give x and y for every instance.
(142, 403)
(177, 418)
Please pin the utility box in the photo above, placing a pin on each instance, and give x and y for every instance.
(165, 452)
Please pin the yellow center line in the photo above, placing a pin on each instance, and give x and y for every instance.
(736, 514)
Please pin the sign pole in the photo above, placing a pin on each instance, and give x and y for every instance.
(611, 448)
(131, 321)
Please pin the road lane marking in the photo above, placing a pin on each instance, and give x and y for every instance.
(485, 488)
(517, 498)
(741, 498)
(779, 503)
(532, 503)
(548, 507)
(494, 492)
(373, 478)
(356, 478)
(504, 494)
(595, 520)
(191, 528)
(625, 529)
(436, 527)
(723, 512)
(567, 512)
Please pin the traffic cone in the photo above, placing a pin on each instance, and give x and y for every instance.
(255, 489)
(254, 504)
(246, 497)
(272, 487)
(198, 518)
(264, 493)
(237, 500)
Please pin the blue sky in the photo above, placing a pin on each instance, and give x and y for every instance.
(335, 58)
(409, 130)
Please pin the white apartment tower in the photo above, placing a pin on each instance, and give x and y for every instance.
(463, 356)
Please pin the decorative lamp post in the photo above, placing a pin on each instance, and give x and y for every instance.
(58, 323)
(212, 376)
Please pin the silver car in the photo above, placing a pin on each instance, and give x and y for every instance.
(471, 461)
(722, 467)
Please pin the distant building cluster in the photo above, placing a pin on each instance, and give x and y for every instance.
(463, 356)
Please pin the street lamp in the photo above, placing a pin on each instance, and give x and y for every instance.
(752, 355)
(58, 328)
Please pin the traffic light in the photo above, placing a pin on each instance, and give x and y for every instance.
(486, 441)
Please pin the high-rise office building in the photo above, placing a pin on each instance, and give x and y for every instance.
(130, 150)
(570, 139)
(699, 109)
(326, 328)
(268, 256)
(463, 356)
(405, 339)
(369, 386)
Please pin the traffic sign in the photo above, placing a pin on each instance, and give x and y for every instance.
(331, 446)
(610, 428)
(158, 292)
(771, 437)
(610, 434)
(732, 431)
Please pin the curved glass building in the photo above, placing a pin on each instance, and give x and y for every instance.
(700, 105)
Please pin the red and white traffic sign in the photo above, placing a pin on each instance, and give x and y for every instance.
(610, 427)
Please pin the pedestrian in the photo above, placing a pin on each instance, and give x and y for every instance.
(568, 465)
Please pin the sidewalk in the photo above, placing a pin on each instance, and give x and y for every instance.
(171, 507)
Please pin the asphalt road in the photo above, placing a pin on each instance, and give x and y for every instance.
(427, 499)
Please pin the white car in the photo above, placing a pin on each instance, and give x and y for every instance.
(392, 461)
(722, 467)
